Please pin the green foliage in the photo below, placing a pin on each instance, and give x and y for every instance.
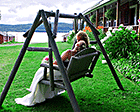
(123, 48)
(121, 43)
(90, 35)
(129, 67)
(71, 37)
(102, 34)
(93, 18)
(110, 14)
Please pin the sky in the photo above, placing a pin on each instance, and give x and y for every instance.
(25, 11)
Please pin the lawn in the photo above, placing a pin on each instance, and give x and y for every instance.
(99, 94)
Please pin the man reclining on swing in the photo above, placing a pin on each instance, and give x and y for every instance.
(41, 92)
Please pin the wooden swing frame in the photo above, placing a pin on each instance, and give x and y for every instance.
(42, 18)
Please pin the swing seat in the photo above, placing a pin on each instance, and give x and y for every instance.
(78, 67)
(79, 64)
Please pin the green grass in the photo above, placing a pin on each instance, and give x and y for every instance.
(99, 94)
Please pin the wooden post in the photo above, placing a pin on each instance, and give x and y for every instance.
(50, 52)
(38, 24)
(51, 69)
(19, 59)
(117, 13)
(97, 17)
(82, 24)
(61, 65)
(139, 21)
(75, 24)
(137, 17)
(104, 52)
(56, 23)
(45, 72)
(93, 64)
(104, 19)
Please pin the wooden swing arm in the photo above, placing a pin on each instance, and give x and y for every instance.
(94, 61)
(52, 14)
(89, 23)
(55, 23)
(38, 24)
(94, 31)
(19, 59)
(60, 64)
(39, 49)
(56, 15)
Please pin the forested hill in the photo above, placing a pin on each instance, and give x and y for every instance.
(62, 27)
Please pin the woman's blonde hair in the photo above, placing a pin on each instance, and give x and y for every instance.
(83, 36)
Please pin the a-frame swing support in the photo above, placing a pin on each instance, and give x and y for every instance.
(44, 15)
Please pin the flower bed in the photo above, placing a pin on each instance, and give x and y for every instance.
(122, 46)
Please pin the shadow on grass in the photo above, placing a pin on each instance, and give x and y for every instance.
(60, 103)
(112, 100)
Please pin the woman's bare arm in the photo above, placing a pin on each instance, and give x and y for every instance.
(65, 55)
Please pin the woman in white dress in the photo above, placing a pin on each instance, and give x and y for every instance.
(41, 92)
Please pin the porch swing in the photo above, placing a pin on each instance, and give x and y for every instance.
(80, 65)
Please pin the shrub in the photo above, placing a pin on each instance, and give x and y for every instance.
(89, 33)
(102, 34)
(129, 67)
(111, 14)
(120, 42)
(93, 18)
(71, 36)
(123, 48)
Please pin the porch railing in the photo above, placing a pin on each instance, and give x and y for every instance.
(135, 27)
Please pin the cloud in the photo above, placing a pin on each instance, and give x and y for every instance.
(25, 11)
(25, 19)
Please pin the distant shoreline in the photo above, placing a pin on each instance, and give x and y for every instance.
(38, 37)
(62, 27)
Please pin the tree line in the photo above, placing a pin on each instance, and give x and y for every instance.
(62, 27)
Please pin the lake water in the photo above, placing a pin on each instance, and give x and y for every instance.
(38, 37)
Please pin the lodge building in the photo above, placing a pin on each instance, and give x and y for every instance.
(126, 13)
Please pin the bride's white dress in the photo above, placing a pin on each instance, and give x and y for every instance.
(39, 92)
